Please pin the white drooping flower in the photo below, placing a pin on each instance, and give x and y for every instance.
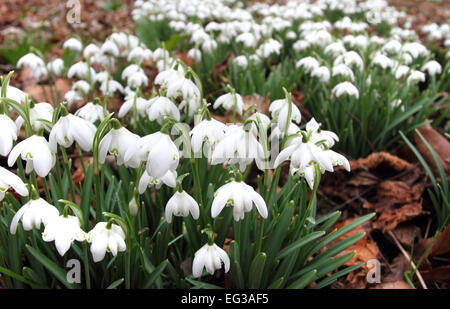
(70, 128)
(182, 87)
(229, 101)
(135, 76)
(116, 142)
(38, 154)
(15, 94)
(81, 70)
(169, 179)
(210, 257)
(432, 67)
(104, 238)
(63, 230)
(241, 61)
(33, 213)
(139, 54)
(91, 51)
(91, 112)
(308, 64)
(141, 105)
(195, 54)
(345, 88)
(415, 77)
(8, 134)
(305, 155)
(180, 205)
(239, 146)
(109, 87)
(322, 73)
(37, 112)
(279, 110)
(160, 107)
(318, 135)
(56, 66)
(73, 44)
(35, 63)
(241, 197)
(209, 131)
(158, 150)
(9, 179)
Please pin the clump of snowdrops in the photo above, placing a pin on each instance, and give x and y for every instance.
(366, 85)
(166, 198)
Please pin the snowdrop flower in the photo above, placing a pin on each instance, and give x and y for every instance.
(91, 112)
(247, 39)
(73, 96)
(230, 101)
(291, 35)
(37, 112)
(169, 76)
(56, 66)
(33, 213)
(158, 150)
(91, 51)
(63, 230)
(345, 88)
(238, 146)
(8, 134)
(160, 107)
(209, 131)
(401, 71)
(335, 49)
(140, 103)
(15, 94)
(211, 257)
(9, 179)
(109, 87)
(106, 237)
(415, 77)
(110, 49)
(279, 110)
(317, 135)
(343, 70)
(81, 70)
(195, 53)
(70, 128)
(415, 49)
(305, 155)
(180, 205)
(301, 45)
(73, 44)
(383, 61)
(138, 79)
(35, 63)
(322, 73)
(139, 54)
(268, 48)
(308, 64)
(183, 87)
(265, 122)
(432, 67)
(350, 59)
(241, 61)
(392, 47)
(169, 179)
(241, 197)
(116, 142)
(209, 46)
(38, 154)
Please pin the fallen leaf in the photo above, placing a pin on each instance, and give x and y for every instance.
(438, 143)
(442, 244)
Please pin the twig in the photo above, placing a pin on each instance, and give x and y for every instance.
(403, 251)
